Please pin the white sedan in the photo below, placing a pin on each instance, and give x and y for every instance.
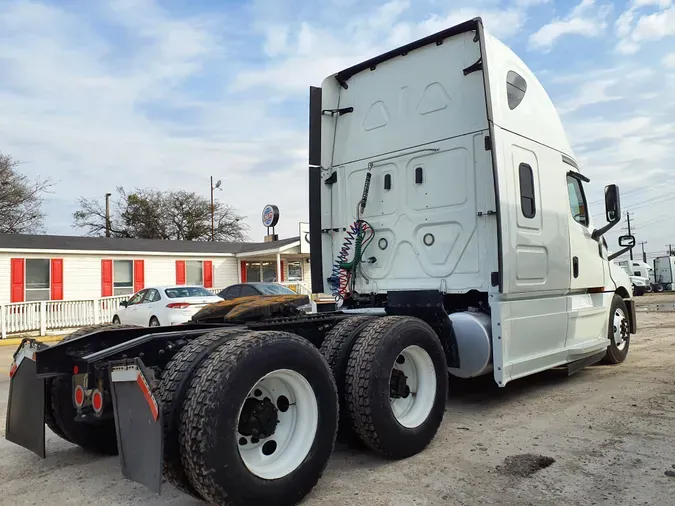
(162, 306)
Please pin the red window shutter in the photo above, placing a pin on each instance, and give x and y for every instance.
(57, 279)
(243, 272)
(283, 276)
(106, 278)
(208, 274)
(18, 276)
(139, 275)
(180, 272)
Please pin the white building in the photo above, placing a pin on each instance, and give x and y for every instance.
(45, 267)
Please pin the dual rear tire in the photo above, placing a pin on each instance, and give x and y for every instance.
(392, 376)
(250, 417)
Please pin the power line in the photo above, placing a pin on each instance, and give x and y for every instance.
(640, 189)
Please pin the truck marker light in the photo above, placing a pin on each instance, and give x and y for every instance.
(76, 369)
(12, 369)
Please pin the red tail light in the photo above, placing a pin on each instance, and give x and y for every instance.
(79, 396)
(97, 401)
(178, 305)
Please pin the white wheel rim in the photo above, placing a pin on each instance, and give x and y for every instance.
(295, 430)
(412, 410)
(620, 330)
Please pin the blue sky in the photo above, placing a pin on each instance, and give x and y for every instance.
(166, 93)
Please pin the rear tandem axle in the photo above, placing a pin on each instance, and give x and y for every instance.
(255, 403)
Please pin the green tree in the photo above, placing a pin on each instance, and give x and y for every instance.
(152, 214)
(20, 199)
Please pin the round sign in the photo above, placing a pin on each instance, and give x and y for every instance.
(270, 215)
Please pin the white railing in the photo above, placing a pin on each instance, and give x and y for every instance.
(56, 314)
(298, 286)
(42, 316)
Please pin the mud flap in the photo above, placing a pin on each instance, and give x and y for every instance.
(138, 421)
(25, 423)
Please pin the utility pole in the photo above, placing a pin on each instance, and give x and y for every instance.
(628, 218)
(213, 209)
(107, 214)
(644, 255)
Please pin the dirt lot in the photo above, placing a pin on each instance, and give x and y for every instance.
(603, 436)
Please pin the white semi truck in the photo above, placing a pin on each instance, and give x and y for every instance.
(641, 275)
(447, 215)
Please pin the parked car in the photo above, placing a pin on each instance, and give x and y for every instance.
(163, 306)
(258, 289)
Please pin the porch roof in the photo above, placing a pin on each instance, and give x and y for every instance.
(76, 244)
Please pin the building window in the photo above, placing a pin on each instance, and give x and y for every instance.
(265, 272)
(37, 279)
(123, 277)
(577, 200)
(295, 270)
(195, 272)
(253, 274)
(526, 177)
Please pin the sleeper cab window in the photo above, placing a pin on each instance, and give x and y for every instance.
(577, 200)
(516, 87)
(526, 179)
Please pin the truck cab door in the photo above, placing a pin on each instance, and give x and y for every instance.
(586, 305)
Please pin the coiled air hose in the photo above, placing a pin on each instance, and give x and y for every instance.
(360, 234)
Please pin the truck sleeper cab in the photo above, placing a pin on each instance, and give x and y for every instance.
(448, 159)
(447, 216)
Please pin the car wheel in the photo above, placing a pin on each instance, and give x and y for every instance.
(116, 320)
(154, 322)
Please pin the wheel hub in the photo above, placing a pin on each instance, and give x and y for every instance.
(398, 385)
(258, 419)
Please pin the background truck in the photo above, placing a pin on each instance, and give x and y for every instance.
(664, 273)
(641, 275)
(448, 217)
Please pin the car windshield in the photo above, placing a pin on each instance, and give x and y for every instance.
(187, 291)
(275, 290)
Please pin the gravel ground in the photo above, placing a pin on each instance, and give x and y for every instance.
(604, 436)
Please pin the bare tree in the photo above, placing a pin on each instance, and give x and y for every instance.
(20, 199)
(151, 214)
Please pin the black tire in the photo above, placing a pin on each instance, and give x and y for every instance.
(614, 354)
(154, 319)
(171, 395)
(116, 320)
(659, 288)
(336, 348)
(367, 391)
(60, 416)
(216, 395)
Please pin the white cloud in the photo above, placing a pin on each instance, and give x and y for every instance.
(78, 112)
(531, 3)
(654, 26)
(585, 19)
(124, 92)
(318, 51)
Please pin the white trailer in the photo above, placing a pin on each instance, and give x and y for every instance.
(664, 273)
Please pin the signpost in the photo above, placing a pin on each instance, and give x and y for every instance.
(270, 218)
